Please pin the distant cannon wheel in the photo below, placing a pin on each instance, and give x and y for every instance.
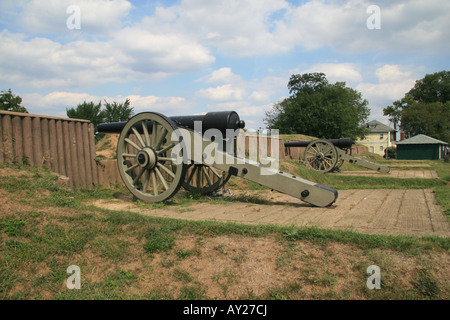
(204, 179)
(321, 155)
(339, 164)
(147, 161)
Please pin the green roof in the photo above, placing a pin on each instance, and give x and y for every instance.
(375, 126)
(421, 139)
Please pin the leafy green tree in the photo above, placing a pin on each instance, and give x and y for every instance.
(431, 119)
(88, 111)
(11, 102)
(115, 112)
(320, 109)
(425, 109)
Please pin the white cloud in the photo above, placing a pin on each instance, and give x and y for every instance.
(221, 93)
(260, 96)
(337, 72)
(99, 17)
(222, 75)
(55, 103)
(166, 105)
(134, 55)
(393, 82)
(245, 28)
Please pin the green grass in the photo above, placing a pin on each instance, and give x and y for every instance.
(123, 255)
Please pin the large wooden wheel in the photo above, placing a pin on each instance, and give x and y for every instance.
(147, 163)
(204, 179)
(321, 155)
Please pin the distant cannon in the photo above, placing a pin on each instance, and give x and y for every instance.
(329, 155)
(157, 155)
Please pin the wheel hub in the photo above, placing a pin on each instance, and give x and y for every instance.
(147, 158)
(320, 156)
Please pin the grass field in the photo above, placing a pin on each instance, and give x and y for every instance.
(45, 228)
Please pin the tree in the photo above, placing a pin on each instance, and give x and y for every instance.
(11, 102)
(88, 111)
(320, 109)
(115, 112)
(425, 109)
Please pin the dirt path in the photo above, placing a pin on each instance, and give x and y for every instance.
(406, 212)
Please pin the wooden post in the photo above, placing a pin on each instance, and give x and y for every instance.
(75, 175)
(37, 142)
(67, 150)
(54, 155)
(59, 137)
(1, 140)
(27, 139)
(17, 139)
(46, 155)
(7, 139)
(87, 154)
(93, 155)
(80, 154)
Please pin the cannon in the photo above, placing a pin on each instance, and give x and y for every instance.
(157, 155)
(328, 155)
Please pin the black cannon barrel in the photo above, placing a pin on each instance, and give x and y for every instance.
(343, 143)
(220, 120)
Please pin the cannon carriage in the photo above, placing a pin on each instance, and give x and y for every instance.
(328, 155)
(157, 155)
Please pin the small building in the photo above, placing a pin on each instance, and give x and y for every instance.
(379, 138)
(421, 147)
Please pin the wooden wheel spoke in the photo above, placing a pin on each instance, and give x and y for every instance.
(146, 180)
(138, 176)
(155, 183)
(161, 138)
(146, 134)
(161, 177)
(216, 173)
(129, 155)
(169, 172)
(132, 167)
(208, 180)
(134, 145)
(164, 149)
(138, 136)
(191, 174)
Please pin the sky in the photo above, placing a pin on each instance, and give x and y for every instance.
(194, 56)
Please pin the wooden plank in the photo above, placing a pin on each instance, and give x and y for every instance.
(61, 147)
(17, 139)
(101, 174)
(93, 155)
(37, 142)
(80, 155)
(1, 140)
(27, 139)
(74, 174)
(46, 154)
(87, 154)
(67, 150)
(54, 157)
(7, 134)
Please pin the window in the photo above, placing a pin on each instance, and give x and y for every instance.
(381, 148)
(381, 136)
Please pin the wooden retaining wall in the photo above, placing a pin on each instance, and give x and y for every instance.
(65, 146)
